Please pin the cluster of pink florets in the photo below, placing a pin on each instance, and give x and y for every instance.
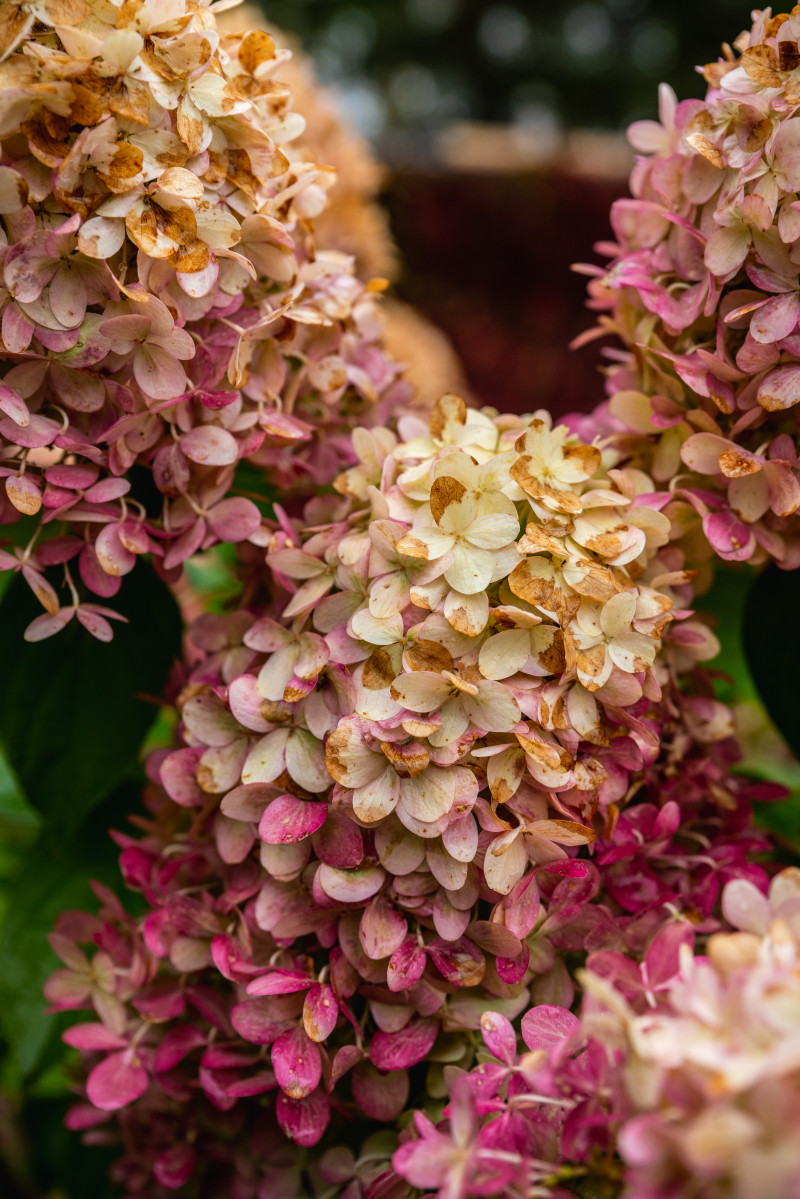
(703, 290)
(458, 760)
(373, 828)
(164, 306)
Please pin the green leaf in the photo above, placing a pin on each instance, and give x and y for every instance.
(73, 710)
(44, 888)
(771, 636)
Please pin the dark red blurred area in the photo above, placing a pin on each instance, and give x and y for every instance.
(487, 257)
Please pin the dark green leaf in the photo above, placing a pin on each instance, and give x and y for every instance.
(73, 711)
(771, 635)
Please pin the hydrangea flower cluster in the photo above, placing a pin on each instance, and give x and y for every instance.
(374, 824)
(702, 288)
(164, 305)
(456, 755)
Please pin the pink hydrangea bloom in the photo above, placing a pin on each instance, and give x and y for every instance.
(702, 288)
(163, 306)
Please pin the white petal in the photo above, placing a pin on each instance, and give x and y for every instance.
(617, 613)
(494, 531)
(430, 795)
(266, 759)
(378, 798)
(493, 709)
(421, 691)
(505, 862)
(504, 654)
(471, 570)
(467, 614)
(632, 652)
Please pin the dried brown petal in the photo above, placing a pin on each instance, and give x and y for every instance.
(428, 655)
(256, 48)
(449, 410)
(408, 760)
(444, 492)
(761, 64)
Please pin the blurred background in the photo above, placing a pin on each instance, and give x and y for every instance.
(500, 130)
(501, 127)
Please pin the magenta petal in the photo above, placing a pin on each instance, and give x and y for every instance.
(117, 1081)
(499, 1036)
(177, 1043)
(174, 1167)
(406, 966)
(304, 1120)
(662, 962)
(297, 1063)
(288, 819)
(279, 982)
(732, 540)
(320, 1011)
(513, 970)
(380, 1096)
(546, 1026)
(398, 1050)
(253, 1020)
(92, 1038)
(460, 962)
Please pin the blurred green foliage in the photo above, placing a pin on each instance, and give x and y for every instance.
(73, 717)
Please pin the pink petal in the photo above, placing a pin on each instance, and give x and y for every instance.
(460, 962)
(92, 1038)
(304, 1120)
(177, 1043)
(178, 774)
(174, 1167)
(112, 555)
(253, 1020)
(297, 1063)
(350, 886)
(107, 490)
(279, 982)
(499, 1036)
(380, 1096)
(48, 626)
(234, 519)
(320, 1011)
(158, 373)
(407, 965)
(399, 1050)
(12, 403)
(117, 1081)
(382, 929)
(210, 446)
(729, 537)
(95, 577)
(288, 819)
(546, 1027)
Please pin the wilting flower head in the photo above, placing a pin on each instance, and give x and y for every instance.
(163, 304)
(703, 289)
(374, 824)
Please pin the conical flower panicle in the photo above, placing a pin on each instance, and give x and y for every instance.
(703, 288)
(468, 743)
(164, 304)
